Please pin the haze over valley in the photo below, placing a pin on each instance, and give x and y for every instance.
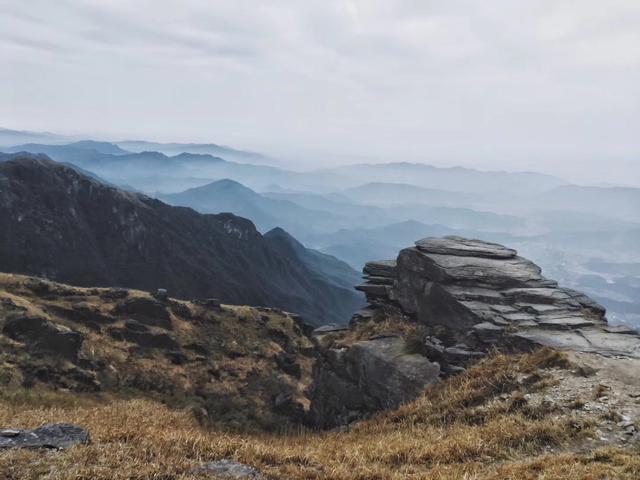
(588, 237)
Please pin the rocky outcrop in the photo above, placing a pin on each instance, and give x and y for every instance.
(368, 376)
(145, 310)
(52, 436)
(41, 335)
(482, 294)
(463, 298)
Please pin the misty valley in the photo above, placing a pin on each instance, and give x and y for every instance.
(587, 237)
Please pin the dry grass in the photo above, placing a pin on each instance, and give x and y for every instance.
(390, 325)
(231, 365)
(439, 436)
(478, 425)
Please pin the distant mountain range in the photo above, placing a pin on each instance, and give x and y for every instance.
(228, 153)
(267, 213)
(64, 225)
(13, 138)
(454, 179)
(364, 211)
(174, 160)
(10, 138)
(153, 171)
(382, 193)
(618, 202)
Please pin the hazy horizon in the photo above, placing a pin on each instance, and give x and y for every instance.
(533, 86)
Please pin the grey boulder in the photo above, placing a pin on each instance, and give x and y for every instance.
(369, 376)
(54, 436)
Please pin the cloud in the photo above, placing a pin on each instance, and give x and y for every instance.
(549, 85)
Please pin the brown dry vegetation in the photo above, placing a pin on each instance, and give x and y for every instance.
(473, 426)
(229, 370)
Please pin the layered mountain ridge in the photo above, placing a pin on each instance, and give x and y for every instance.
(63, 225)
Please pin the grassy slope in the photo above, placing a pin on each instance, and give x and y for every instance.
(477, 425)
(231, 369)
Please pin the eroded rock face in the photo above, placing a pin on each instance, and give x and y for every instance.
(369, 376)
(484, 294)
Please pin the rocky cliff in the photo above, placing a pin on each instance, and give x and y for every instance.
(59, 223)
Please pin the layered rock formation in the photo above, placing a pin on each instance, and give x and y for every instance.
(484, 294)
(463, 298)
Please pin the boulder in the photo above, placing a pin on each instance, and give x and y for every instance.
(161, 294)
(52, 436)
(369, 376)
(146, 310)
(41, 335)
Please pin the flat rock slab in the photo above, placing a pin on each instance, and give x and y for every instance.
(379, 280)
(372, 288)
(621, 329)
(331, 327)
(459, 246)
(227, 469)
(54, 436)
(566, 323)
(479, 271)
(380, 268)
(537, 295)
(592, 340)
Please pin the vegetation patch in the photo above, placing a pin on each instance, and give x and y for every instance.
(439, 436)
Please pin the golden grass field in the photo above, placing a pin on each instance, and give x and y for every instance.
(455, 431)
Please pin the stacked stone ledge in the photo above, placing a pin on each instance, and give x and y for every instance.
(485, 295)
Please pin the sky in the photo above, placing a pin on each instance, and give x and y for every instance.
(551, 86)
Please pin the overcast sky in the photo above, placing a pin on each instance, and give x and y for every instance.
(540, 85)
